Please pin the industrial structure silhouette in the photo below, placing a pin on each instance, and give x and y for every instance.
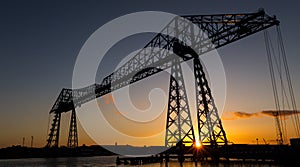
(217, 30)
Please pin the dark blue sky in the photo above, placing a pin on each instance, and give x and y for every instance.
(39, 42)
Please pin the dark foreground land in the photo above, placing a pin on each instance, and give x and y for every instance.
(278, 154)
(270, 154)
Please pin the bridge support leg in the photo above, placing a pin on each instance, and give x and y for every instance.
(73, 137)
(53, 137)
(209, 123)
(179, 127)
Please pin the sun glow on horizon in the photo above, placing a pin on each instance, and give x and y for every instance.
(198, 143)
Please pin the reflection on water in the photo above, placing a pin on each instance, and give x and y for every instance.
(100, 161)
(109, 161)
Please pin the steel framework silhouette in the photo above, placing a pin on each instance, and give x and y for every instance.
(178, 42)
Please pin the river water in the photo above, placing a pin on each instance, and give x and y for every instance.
(109, 161)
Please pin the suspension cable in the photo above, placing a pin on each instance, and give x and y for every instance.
(295, 114)
(281, 112)
(274, 87)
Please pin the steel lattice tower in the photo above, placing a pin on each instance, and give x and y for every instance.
(210, 127)
(209, 123)
(179, 126)
(73, 137)
(54, 131)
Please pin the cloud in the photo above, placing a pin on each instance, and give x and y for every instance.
(272, 113)
(233, 115)
(244, 114)
(238, 115)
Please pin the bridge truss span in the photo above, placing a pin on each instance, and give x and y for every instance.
(178, 42)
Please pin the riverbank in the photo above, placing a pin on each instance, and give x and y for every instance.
(15, 152)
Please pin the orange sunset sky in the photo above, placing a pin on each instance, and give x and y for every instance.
(40, 42)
